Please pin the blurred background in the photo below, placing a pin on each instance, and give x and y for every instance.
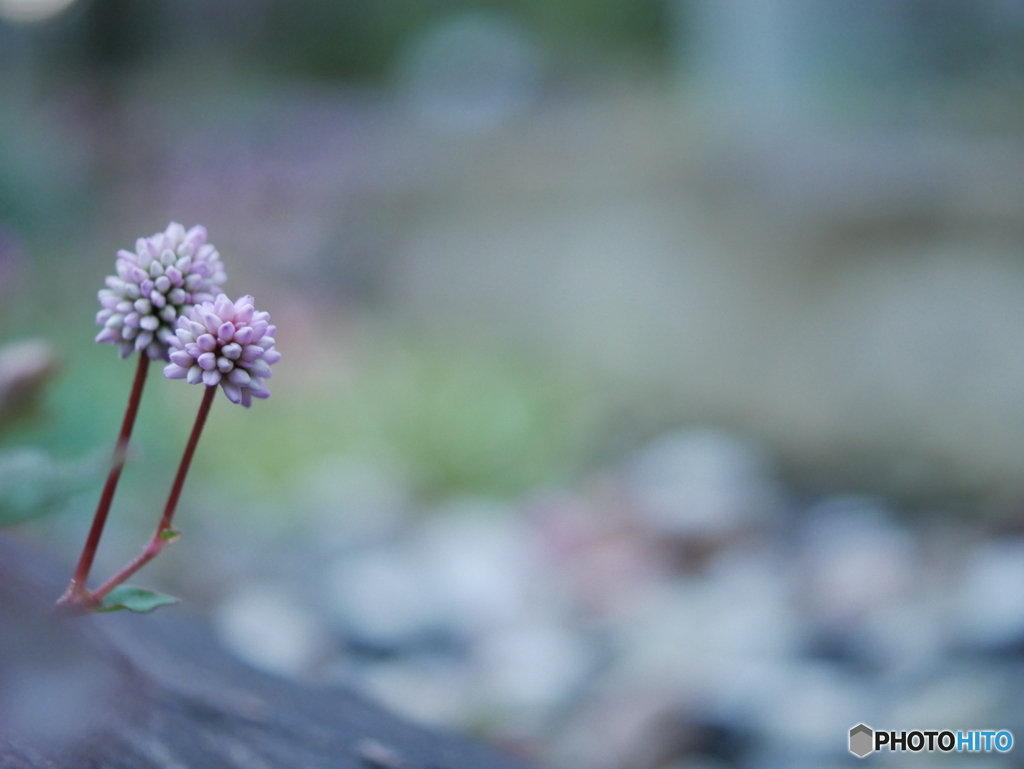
(653, 369)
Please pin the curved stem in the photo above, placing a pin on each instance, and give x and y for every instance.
(160, 540)
(186, 459)
(76, 591)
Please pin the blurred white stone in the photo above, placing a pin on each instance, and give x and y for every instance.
(991, 595)
(533, 666)
(485, 562)
(713, 637)
(812, 706)
(384, 595)
(908, 638)
(957, 695)
(432, 694)
(702, 483)
(856, 561)
(267, 626)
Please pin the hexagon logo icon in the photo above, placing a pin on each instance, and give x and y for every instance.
(862, 740)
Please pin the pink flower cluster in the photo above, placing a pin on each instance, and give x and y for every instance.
(225, 343)
(155, 286)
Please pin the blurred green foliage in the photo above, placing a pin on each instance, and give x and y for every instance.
(360, 39)
(321, 38)
(32, 483)
(454, 421)
(39, 173)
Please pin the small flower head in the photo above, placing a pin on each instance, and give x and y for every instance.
(155, 286)
(225, 343)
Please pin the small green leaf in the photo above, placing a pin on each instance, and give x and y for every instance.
(170, 535)
(135, 599)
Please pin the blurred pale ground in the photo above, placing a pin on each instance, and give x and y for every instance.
(653, 372)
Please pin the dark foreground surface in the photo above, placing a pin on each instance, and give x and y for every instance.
(134, 692)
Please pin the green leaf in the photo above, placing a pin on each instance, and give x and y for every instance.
(170, 535)
(135, 599)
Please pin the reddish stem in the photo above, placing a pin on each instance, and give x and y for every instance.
(76, 592)
(158, 542)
